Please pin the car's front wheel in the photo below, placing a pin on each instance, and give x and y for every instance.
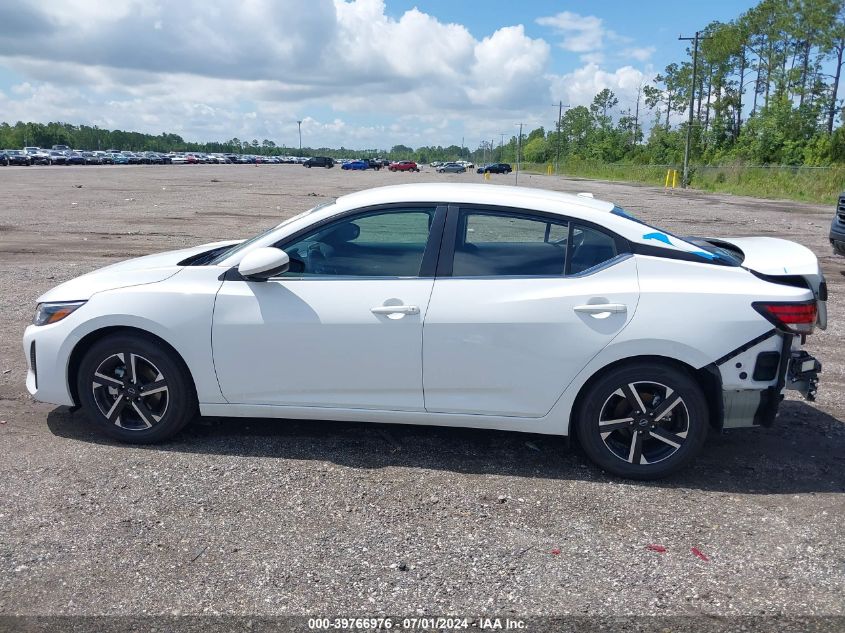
(643, 420)
(135, 390)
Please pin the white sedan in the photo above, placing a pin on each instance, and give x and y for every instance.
(445, 304)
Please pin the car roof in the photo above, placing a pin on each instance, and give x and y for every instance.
(578, 207)
(497, 195)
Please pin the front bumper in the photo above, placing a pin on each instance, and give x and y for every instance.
(47, 352)
(837, 227)
(837, 237)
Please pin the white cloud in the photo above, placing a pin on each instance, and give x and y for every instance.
(639, 53)
(214, 70)
(580, 86)
(508, 69)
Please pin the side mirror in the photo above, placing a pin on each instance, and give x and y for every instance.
(263, 263)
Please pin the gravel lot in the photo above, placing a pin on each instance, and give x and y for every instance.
(282, 517)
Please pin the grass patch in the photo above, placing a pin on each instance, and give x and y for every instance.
(792, 183)
(821, 185)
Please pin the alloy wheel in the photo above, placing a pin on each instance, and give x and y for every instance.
(644, 422)
(130, 391)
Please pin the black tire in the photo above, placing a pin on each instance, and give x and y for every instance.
(136, 418)
(649, 446)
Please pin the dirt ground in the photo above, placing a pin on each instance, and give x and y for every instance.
(281, 517)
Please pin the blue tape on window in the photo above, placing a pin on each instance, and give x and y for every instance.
(705, 254)
(660, 237)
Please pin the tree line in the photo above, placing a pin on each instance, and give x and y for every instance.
(767, 91)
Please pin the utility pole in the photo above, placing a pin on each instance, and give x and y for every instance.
(695, 40)
(518, 148)
(299, 125)
(637, 114)
(560, 107)
(502, 145)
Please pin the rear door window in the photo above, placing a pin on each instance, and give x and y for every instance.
(502, 244)
(590, 248)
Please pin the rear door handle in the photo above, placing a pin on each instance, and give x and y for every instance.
(395, 310)
(601, 308)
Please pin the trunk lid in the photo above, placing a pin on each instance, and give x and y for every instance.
(775, 258)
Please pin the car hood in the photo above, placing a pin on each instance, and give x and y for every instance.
(132, 272)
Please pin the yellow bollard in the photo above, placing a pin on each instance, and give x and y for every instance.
(486, 175)
(548, 170)
(674, 178)
(666, 184)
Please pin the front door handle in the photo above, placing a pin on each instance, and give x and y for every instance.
(602, 308)
(395, 310)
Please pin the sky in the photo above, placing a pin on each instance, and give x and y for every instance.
(359, 74)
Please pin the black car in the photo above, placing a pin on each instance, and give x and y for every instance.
(4, 158)
(39, 157)
(58, 158)
(75, 158)
(18, 157)
(495, 168)
(319, 161)
(837, 227)
(91, 158)
(150, 158)
(374, 163)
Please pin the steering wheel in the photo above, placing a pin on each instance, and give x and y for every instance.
(317, 260)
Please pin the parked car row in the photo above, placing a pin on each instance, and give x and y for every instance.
(464, 163)
(362, 164)
(64, 155)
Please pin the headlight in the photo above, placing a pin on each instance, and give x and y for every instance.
(47, 313)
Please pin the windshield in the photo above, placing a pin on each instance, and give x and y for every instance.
(247, 243)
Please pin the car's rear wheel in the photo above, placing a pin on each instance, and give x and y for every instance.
(135, 390)
(643, 421)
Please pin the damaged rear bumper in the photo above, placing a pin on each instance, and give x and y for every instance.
(755, 376)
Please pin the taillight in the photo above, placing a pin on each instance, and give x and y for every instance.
(799, 317)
